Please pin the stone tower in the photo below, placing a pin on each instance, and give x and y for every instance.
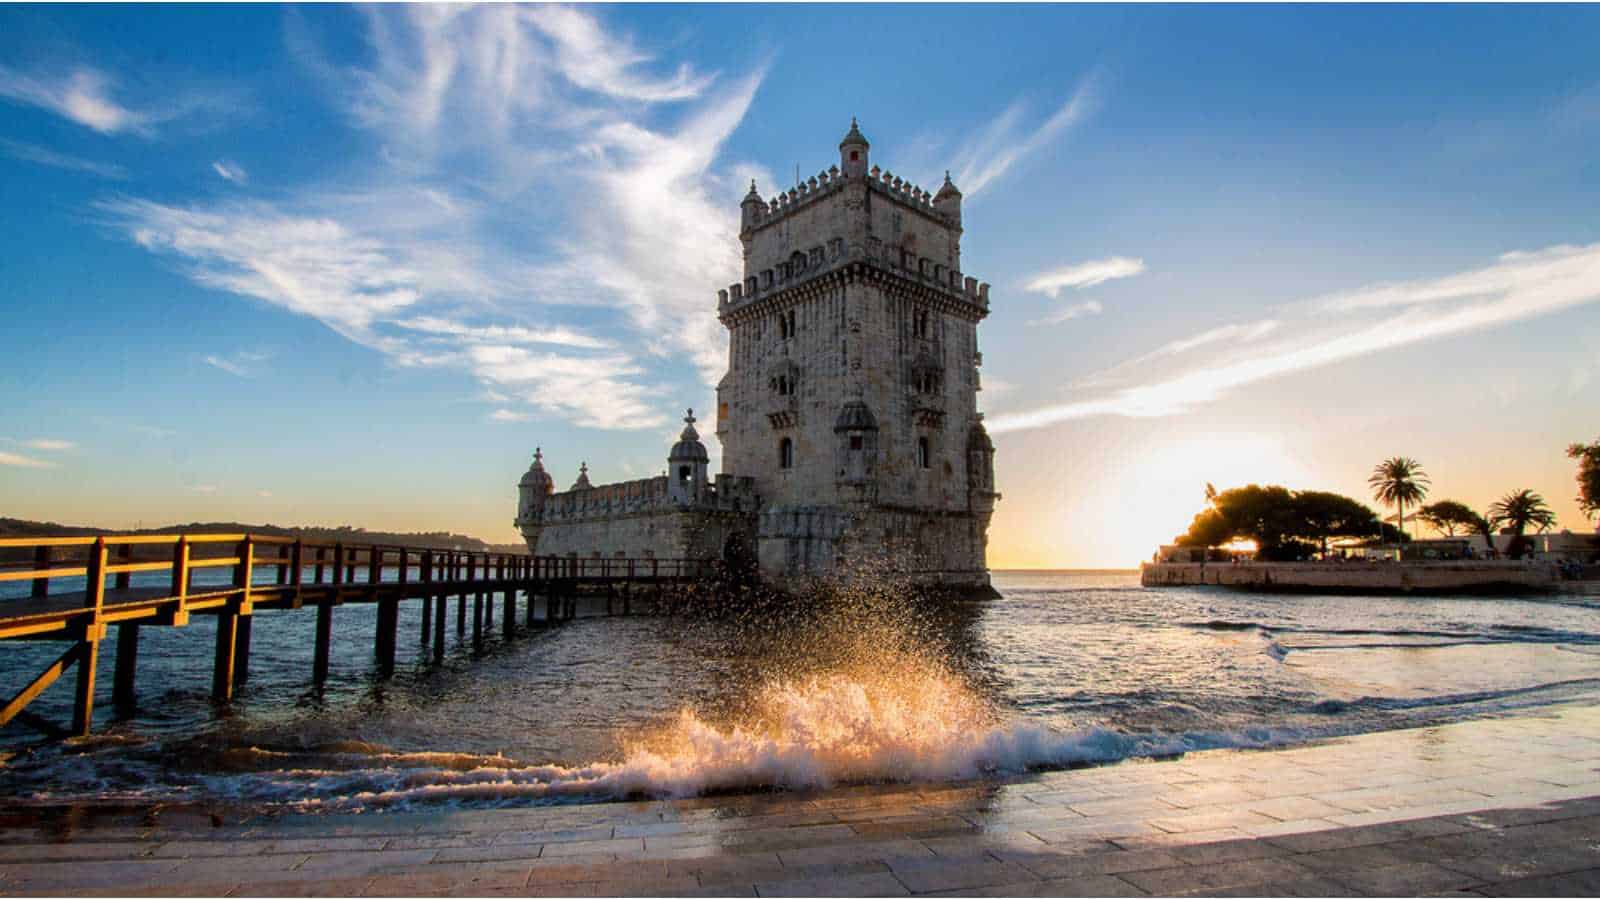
(851, 392)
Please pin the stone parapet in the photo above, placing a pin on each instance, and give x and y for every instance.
(1360, 577)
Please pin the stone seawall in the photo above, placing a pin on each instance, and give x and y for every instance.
(1403, 578)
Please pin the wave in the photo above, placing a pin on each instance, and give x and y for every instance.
(900, 726)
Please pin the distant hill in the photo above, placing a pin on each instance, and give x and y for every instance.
(23, 528)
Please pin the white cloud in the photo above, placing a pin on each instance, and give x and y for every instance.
(1348, 326)
(559, 335)
(228, 366)
(484, 113)
(46, 444)
(1068, 312)
(1083, 275)
(230, 171)
(264, 494)
(45, 157)
(1244, 333)
(83, 96)
(26, 462)
(1001, 144)
(508, 416)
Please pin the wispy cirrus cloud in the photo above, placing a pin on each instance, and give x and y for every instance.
(1005, 141)
(230, 171)
(1071, 311)
(46, 157)
(1083, 275)
(241, 363)
(23, 462)
(82, 95)
(88, 96)
(484, 113)
(1349, 325)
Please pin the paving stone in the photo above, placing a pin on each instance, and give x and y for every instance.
(1114, 863)
(330, 887)
(1310, 842)
(1087, 886)
(560, 836)
(1171, 881)
(875, 884)
(488, 853)
(1303, 887)
(1523, 862)
(1404, 880)
(917, 828)
(923, 877)
(863, 851)
(1571, 884)
(1291, 808)
(454, 880)
(31, 853)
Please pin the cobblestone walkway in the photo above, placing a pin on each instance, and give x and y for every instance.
(1500, 807)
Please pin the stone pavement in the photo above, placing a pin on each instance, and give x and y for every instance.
(1500, 807)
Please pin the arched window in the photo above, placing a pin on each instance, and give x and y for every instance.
(919, 323)
(922, 453)
(684, 473)
(786, 454)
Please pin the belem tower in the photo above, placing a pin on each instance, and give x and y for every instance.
(851, 441)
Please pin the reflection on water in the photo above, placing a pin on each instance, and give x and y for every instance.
(1066, 668)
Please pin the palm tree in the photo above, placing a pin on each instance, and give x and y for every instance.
(1399, 480)
(1519, 510)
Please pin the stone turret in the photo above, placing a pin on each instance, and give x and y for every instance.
(687, 464)
(532, 491)
(583, 483)
(948, 200)
(751, 209)
(853, 152)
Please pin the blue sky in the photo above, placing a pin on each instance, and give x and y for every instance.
(346, 265)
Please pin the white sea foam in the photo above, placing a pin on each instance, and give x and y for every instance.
(810, 734)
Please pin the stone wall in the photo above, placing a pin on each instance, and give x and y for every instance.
(1391, 577)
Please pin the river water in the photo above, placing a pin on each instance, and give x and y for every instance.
(1065, 669)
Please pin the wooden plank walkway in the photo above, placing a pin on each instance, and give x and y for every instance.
(266, 572)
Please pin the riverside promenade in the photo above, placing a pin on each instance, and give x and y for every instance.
(1507, 806)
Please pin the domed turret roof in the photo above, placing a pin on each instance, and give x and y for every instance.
(948, 189)
(583, 483)
(854, 137)
(855, 416)
(688, 448)
(754, 196)
(978, 438)
(536, 476)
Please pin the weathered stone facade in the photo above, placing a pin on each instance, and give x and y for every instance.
(850, 402)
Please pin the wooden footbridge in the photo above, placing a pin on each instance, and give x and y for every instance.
(133, 582)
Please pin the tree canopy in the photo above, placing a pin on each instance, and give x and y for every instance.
(1588, 457)
(1518, 510)
(1452, 517)
(1284, 524)
(1399, 481)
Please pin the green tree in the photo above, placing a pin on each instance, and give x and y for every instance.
(1397, 481)
(1588, 457)
(1210, 528)
(1449, 517)
(1518, 510)
(1320, 515)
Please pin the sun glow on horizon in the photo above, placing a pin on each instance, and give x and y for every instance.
(1149, 497)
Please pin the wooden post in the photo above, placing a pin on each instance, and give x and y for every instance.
(93, 631)
(41, 561)
(124, 580)
(324, 639)
(243, 576)
(508, 625)
(388, 614)
(425, 572)
(461, 601)
(122, 692)
(477, 605)
(227, 644)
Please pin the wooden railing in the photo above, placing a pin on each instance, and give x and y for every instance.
(231, 575)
